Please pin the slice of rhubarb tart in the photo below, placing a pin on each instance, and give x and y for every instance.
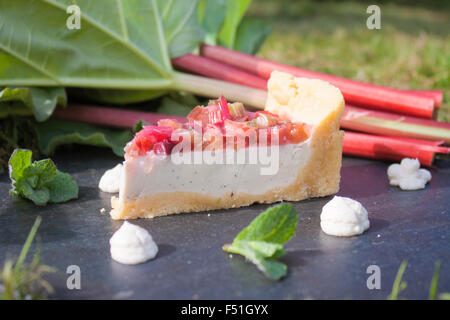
(224, 156)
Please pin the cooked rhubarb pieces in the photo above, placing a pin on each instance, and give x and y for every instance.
(224, 156)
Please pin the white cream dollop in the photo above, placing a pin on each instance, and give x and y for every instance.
(344, 217)
(110, 181)
(408, 175)
(132, 244)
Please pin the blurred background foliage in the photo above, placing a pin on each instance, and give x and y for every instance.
(411, 51)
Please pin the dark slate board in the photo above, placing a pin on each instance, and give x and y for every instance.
(410, 225)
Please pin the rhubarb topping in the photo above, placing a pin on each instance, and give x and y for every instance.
(212, 127)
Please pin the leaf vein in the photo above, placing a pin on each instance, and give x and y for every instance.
(129, 45)
(180, 27)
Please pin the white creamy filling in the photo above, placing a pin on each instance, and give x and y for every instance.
(132, 244)
(344, 217)
(110, 181)
(407, 175)
(151, 174)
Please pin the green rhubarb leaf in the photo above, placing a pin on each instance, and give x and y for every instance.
(38, 101)
(179, 104)
(182, 35)
(14, 108)
(116, 96)
(262, 241)
(127, 46)
(251, 34)
(39, 181)
(172, 107)
(181, 28)
(120, 54)
(124, 58)
(119, 45)
(55, 133)
(201, 10)
(185, 99)
(212, 17)
(224, 23)
(234, 13)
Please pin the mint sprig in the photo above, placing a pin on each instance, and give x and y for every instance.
(39, 181)
(262, 240)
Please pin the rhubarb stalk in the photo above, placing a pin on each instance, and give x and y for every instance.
(436, 95)
(394, 125)
(355, 144)
(213, 69)
(390, 148)
(354, 118)
(215, 88)
(111, 117)
(357, 93)
(217, 70)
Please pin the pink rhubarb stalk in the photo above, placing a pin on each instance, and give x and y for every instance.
(355, 144)
(354, 118)
(436, 95)
(390, 124)
(357, 93)
(111, 117)
(391, 148)
(213, 69)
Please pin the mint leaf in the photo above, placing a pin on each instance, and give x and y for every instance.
(62, 188)
(277, 224)
(266, 249)
(262, 254)
(262, 241)
(39, 181)
(18, 162)
(40, 172)
(40, 196)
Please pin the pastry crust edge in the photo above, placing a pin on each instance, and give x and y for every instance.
(319, 177)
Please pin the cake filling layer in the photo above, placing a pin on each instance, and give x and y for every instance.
(250, 171)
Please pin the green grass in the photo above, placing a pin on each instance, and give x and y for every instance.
(411, 51)
(21, 282)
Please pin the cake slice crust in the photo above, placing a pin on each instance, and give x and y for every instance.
(314, 102)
